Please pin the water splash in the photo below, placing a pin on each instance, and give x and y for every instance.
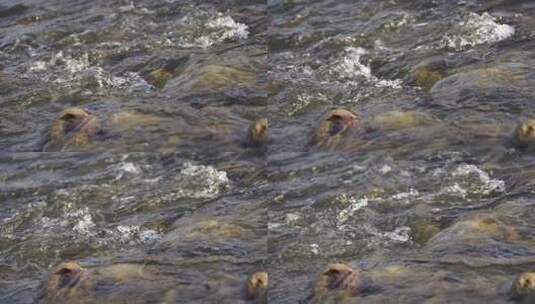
(398, 235)
(203, 30)
(125, 168)
(350, 70)
(485, 185)
(354, 203)
(405, 196)
(475, 30)
(67, 71)
(199, 181)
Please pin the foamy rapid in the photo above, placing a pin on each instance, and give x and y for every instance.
(67, 71)
(204, 33)
(475, 30)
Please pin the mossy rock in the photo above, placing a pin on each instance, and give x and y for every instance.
(422, 231)
(128, 120)
(425, 77)
(213, 228)
(478, 228)
(159, 77)
(397, 120)
(220, 77)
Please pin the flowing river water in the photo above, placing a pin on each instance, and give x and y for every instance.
(168, 202)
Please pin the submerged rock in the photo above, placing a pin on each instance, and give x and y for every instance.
(337, 284)
(429, 71)
(335, 129)
(507, 84)
(128, 120)
(395, 120)
(393, 273)
(73, 129)
(257, 133)
(477, 228)
(213, 228)
(159, 77)
(256, 286)
(218, 77)
(214, 77)
(124, 272)
(426, 77)
(70, 283)
(523, 288)
(422, 231)
(470, 240)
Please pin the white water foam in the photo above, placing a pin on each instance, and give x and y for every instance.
(67, 71)
(477, 29)
(350, 70)
(355, 204)
(398, 235)
(199, 181)
(215, 30)
(125, 168)
(487, 184)
(83, 225)
(405, 196)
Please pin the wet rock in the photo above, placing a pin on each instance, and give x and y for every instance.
(214, 228)
(338, 283)
(128, 120)
(68, 283)
(481, 78)
(396, 120)
(477, 241)
(334, 130)
(426, 77)
(473, 126)
(477, 228)
(524, 135)
(215, 77)
(393, 273)
(523, 288)
(124, 272)
(256, 286)
(257, 133)
(159, 77)
(422, 231)
(73, 129)
(429, 72)
(507, 84)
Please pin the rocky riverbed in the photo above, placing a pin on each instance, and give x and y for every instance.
(285, 151)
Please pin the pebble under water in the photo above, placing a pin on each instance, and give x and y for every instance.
(187, 151)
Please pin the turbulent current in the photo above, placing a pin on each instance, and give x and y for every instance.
(288, 151)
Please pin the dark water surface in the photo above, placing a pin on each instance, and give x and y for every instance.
(167, 203)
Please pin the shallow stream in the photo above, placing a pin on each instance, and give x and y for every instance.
(431, 203)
